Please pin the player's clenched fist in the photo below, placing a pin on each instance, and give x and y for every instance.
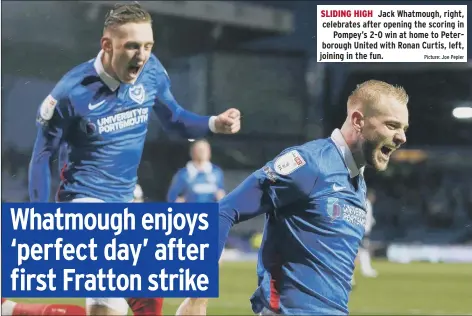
(228, 122)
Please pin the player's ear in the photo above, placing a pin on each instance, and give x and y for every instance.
(106, 44)
(357, 120)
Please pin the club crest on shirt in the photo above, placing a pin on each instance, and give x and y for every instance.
(288, 162)
(88, 127)
(137, 93)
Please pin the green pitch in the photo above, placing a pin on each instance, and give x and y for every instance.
(407, 289)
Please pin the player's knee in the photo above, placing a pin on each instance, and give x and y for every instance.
(107, 306)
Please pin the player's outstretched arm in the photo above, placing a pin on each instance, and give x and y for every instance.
(175, 119)
(51, 122)
(245, 202)
(282, 181)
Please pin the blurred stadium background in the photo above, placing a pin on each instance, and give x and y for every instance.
(260, 56)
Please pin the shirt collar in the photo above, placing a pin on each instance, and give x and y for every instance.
(346, 153)
(111, 82)
(193, 171)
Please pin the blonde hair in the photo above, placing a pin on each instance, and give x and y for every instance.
(370, 92)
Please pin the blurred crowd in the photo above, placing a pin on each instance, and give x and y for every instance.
(423, 203)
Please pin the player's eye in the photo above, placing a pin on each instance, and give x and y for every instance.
(392, 126)
(132, 46)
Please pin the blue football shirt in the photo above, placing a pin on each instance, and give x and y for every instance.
(104, 124)
(313, 197)
(196, 186)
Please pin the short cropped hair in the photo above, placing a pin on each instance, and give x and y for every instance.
(370, 92)
(126, 13)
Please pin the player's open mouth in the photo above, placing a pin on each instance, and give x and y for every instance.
(386, 151)
(134, 70)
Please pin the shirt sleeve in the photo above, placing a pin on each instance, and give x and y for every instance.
(53, 118)
(175, 119)
(288, 178)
